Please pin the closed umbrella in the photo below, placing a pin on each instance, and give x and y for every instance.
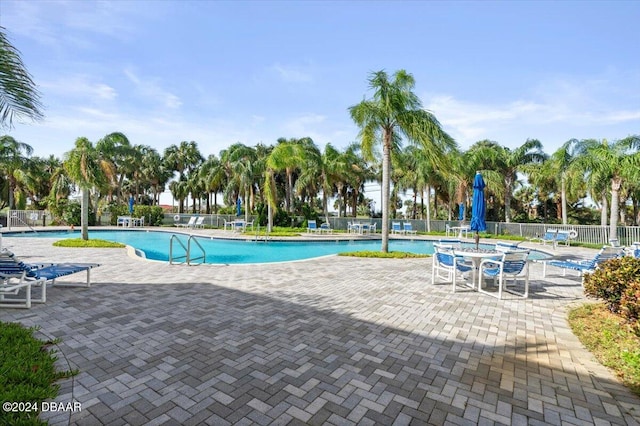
(130, 204)
(461, 212)
(478, 207)
(238, 207)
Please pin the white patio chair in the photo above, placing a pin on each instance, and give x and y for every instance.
(512, 265)
(446, 265)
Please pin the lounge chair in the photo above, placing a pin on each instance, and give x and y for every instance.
(513, 265)
(199, 223)
(192, 221)
(12, 281)
(407, 227)
(325, 227)
(582, 266)
(562, 237)
(396, 228)
(445, 262)
(312, 226)
(548, 237)
(39, 274)
(634, 250)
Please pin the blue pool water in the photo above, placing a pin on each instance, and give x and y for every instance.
(155, 245)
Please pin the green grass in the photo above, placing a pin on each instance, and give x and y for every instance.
(95, 243)
(609, 340)
(27, 372)
(382, 255)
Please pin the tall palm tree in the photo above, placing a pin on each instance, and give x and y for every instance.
(285, 156)
(14, 157)
(87, 170)
(393, 112)
(18, 94)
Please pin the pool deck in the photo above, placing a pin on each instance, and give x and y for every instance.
(335, 340)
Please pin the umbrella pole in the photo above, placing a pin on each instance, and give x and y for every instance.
(476, 238)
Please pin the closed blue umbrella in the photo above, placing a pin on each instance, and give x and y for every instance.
(238, 207)
(461, 212)
(478, 207)
(130, 204)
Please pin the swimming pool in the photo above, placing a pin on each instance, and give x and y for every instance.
(154, 245)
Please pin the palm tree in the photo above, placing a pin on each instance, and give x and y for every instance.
(287, 156)
(14, 157)
(86, 169)
(18, 94)
(212, 174)
(393, 112)
(184, 159)
(117, 151)
(613, 162)
(503, 164)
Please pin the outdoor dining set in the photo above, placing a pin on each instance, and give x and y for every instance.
(470, 266)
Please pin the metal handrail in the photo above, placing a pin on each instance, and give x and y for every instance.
(189, 258)
(173, 238)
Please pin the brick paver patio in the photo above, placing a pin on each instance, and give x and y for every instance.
(334, 340)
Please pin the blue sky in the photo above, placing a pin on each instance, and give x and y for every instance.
(252, 71)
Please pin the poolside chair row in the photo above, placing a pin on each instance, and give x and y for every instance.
(557, 237)
(312, 227)
(194, 222)
(17, 276)
(406, 228)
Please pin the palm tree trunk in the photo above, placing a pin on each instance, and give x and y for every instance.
(603, 212)
(84, 214)
(615, 208)
(563, 193)
(428, 210)
(386, 183)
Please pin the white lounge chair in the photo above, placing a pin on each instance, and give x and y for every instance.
(192, 221)
(199, 223)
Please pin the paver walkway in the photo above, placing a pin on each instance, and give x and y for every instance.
(335, 340)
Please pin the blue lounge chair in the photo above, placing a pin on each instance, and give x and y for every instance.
(634, 250)
(325, 227)
(40, 274)
(407, 227)
(396, 228)
(548, 237)
(562, 237)
(582, 266)
(312, 226)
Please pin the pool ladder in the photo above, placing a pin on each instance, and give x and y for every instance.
(186, 258)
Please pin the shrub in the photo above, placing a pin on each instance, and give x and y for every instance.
(72, 214)
(153, 215)
(611, 280)
(630, 305)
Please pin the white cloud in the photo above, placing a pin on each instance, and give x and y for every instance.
(79, 86)
(291, 74)
(151, 89)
